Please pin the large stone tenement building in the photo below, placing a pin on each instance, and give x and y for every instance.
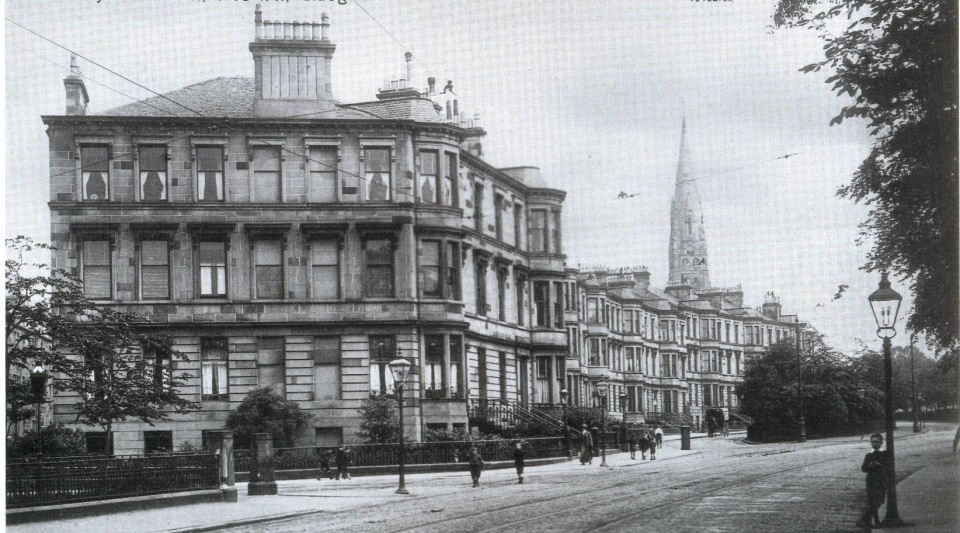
(285, 239)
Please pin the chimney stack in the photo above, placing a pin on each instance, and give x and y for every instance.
(409, 57)
(77, 97)
(771, 307)
(292, 67)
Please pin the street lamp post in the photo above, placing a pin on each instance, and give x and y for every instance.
(885, 303)
(803, 426)
(563, 420)
(623, 408)
(913, 385)
(602, 390)
(401, 369)
(38, 385)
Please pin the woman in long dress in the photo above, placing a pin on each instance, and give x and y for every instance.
(586, 446)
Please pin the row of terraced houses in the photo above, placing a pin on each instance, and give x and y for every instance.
(285, 239)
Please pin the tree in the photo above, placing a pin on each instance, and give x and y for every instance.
(897, 59)
(264, 411)
(830, 384)
(110, 360)
(379, 421)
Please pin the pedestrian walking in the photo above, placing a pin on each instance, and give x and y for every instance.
(476, 465)
(518, 461)
(343, 462)
(875, 465)
(658, 433)
(632, 442)
(726, 429)
(586, 446)
(325, 465)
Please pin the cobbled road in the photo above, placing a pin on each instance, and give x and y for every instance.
(722, 485)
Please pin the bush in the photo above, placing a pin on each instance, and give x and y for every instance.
(55, 441)
(379, 420)
(264, 411)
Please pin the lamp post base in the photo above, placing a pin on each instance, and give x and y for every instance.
(402, 490)
(893, 522)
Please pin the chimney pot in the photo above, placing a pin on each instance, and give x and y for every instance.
(325, 27)
(432, 85)
(297, 31)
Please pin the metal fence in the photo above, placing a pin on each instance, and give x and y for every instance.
(417, 453)
(41, 482)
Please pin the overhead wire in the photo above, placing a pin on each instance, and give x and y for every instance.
(624, 195)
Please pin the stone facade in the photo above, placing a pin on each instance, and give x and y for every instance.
(286, 240)
(306, 252)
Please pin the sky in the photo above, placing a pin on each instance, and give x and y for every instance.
(592, 93)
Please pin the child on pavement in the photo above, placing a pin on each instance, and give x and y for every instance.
(875, 465)
(476, 466)
(518, 461)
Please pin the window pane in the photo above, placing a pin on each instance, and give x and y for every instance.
(95, 171)
(94, 158)
(270, 351)
(382, 348)
(269, 282)
(325, 257)
(428, 177)
(377, 169)
(326, 282)
(213, 253)
(96, 269)
(379, 282)
(155, 281)
(453, 272)
(326, 382)
(538, 228)
(449, 180)
(210, 159)
(323, 174)
(378, 278)
(266, 170)
(154, 252)
(430, 268)
(326, 350)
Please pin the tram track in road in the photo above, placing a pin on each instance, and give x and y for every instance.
(600, 495)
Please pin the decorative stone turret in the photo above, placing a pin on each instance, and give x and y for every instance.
(292, 66)
(77, 97)
(688, 242)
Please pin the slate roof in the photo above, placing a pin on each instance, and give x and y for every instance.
(233, 98)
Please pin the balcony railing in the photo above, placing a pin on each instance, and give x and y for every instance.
(70, 480)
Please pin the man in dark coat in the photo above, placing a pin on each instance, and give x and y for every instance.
(518, 461)
(875, 465)
(476, 465)
(343, 462)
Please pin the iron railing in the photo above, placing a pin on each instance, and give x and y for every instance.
(417, 453)
(42, 482)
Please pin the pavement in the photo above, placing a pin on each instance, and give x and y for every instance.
(928, 498)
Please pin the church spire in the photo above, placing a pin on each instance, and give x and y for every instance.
(688, 244)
